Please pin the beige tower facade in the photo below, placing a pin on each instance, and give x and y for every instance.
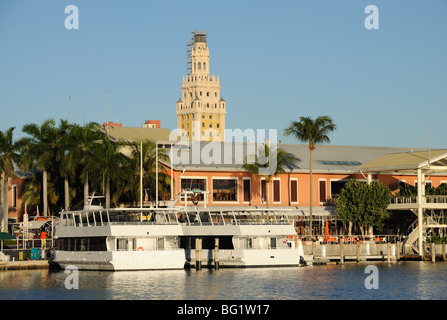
(200, 110)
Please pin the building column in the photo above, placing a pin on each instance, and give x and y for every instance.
(420, 212)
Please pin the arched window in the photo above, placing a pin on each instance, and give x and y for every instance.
(199, 66)
(204, 66)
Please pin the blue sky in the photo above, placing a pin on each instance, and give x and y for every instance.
(277, 61)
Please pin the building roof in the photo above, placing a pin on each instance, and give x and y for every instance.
(227, 156)
(138, 134)
(433, 161)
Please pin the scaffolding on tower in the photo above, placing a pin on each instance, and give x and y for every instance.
(196, 36)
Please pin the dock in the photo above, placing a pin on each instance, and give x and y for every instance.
(24, 265)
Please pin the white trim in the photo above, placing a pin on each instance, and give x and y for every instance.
(197, 177)
(319, 193)
(243, 191)
(14, 193)
(224, 178)
(260, 190)
(297, 192)
(273, 190)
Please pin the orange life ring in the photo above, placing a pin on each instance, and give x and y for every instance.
(140, 249)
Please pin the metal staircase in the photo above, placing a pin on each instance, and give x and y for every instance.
(410, 244)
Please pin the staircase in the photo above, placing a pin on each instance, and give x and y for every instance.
(411, 244)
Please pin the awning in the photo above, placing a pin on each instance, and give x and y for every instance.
(37, 224)
(317, 211)
(6, 236)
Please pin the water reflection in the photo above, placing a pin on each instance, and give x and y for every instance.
(403, 280)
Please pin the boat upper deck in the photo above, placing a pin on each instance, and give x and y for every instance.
(165, 216)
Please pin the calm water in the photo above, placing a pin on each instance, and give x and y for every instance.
(403, 280)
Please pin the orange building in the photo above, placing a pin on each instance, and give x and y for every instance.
(228, 184)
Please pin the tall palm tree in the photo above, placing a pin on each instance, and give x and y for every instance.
(312, 132)
(41, 146)
(80, 155)
(9, 154)
(149, 169)
(109, 164)
(284, 160)
(66, 142)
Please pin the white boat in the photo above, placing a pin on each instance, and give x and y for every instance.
(164, 238)
(247, 237)
(119, 239)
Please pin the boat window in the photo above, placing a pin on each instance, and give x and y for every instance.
(160, 244)
(121, 244)
(273, 243)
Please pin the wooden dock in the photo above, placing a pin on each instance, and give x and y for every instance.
(23, 265)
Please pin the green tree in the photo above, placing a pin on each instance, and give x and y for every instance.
(351, 203)
(40, 146)
(79, 151)
(312, 132)
(9, 154)
(109, 164)
(363, 204)
(283, 159)
(149, 171)
(65, 143)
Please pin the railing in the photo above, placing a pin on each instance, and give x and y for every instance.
(414, 199)
(144, 216)
(336, 239)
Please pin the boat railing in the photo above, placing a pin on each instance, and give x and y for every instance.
(172, 216)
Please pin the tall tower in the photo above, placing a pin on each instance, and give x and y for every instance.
(200, 109)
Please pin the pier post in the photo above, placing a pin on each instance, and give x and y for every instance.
(443, 251)
(198, 253)
(216, 253)
(388, 252)
(314, 248)
(433, 252)
(341, 250)
(398, 251)
(357, 244)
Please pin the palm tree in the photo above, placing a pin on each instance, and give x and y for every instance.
(80, 154)
(41, 146)
(9, 154)
(109, 163)
(149, 169)
(312, 132)
(284, 160)
(66, 143)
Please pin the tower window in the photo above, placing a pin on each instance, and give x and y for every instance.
(199, 66)
(204, 66)
(218, 125)
(207, 94)
(211, 117)
(203, 124)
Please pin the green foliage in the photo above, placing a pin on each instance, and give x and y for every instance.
(311, 131)
(364, 204)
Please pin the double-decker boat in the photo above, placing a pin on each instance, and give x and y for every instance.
(164, 238)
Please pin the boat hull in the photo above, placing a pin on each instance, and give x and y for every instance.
(121, 260)
(247, 258)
